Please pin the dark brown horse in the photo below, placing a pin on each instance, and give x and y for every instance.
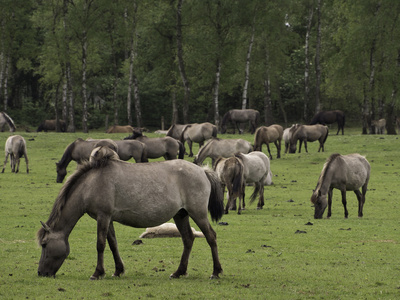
(266, 135)
(47, 125)
(166, 147)
(136, 195)
(80, 150)
(329, 117)
(237, 116)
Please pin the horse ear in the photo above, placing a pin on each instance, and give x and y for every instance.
(45, 226)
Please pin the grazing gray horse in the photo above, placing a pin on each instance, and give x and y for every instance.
(198, 133)
(345, 173)
(137, 195)
(308, 133)
(15, 148)
(237, 116)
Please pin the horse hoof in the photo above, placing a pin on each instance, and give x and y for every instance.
(214, 276)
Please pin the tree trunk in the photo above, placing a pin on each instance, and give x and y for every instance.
(181, 62)
(216, 93)
(84, 90)
(247, 68)
(138, 109)
(6, 70)
(317, 62)
(1, 70)
(269, 119)
(68, 74)
(307, 66)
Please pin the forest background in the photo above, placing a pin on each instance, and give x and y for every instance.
(139, 62)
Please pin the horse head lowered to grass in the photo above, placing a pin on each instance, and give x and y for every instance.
(345, 173)
(103, 189)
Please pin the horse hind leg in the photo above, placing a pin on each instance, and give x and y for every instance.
(344, 202)
(182, 223)
(361, 200)
(5, 162)
(112, 242)
(103, 225)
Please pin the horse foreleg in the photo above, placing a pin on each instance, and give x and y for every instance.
(330, 194)
(269, 151)
(103, 224)
(5, 162)
(300, 143)
(112, 243)
(346, 213)
(305, 146)
(211, 238)
(16, 163)
(190, 148)
(278, 149)
(182, 223)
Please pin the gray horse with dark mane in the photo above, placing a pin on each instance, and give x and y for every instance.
(137, 195)
(237, 116)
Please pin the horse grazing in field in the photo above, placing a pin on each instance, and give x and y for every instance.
(287, 134)
(197, 133)
(308, 133)
(329, 117)
(379, 126)
(166, 147)
(216, 148)
(15, 148)
(6, 119)
(120, 129)
(175, 131)
(136, 195)
(80, 150)
(266, 135)
(345, 173)
(47, 125)
(237, 116)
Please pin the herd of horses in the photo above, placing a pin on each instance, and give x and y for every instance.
(179, 189)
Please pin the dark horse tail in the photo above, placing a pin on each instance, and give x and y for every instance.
(181, 150)
(257, 137)
(214, 131)
(238, 180)
(216, 200)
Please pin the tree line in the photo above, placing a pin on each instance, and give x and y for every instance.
(139, 62)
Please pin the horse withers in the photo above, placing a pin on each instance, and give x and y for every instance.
(329, 117)
(238, 116)
(345, 173)
(137, 195)
(308, 133)
(15, 148)
(266, 135)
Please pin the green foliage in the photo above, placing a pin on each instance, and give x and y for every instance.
(260, 251)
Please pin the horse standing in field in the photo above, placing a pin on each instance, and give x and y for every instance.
(80, 150)
(345, 173)
(308, 133)
(237, 116)
(137, 195)
(15, 148)
(197, 133)
(287, 134)
(379, 126)
(175, 131)
(6, 119)
(166, 147)
(120, 129)
(266, 135)
(47, 125)
(329, 117)
(216, 148)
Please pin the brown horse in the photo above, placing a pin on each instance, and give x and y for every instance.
(166, 147)
(329, 117)
(237, 116)
(308, 133)
(80, 150)
(345, 173)
(266, 135)
(136, 195)
(15, 148)
(47, 125)
(6, 119)
(197, 133)
(120, 129)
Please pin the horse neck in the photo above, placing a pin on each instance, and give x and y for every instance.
(67, 156)
(324, 181)
(203, 153)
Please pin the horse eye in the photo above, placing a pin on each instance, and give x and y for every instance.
(44, 245)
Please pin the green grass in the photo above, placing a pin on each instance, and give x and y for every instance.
(262, 255)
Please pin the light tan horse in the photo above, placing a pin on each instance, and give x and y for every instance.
(120, 129)
(15, 148)
(266, 135)
(197, 133)
(308, 133)
(379, 126)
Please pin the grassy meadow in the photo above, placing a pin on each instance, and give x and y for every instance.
(266, 254)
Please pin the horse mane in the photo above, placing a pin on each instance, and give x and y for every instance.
(325, 169)
(9, 121)
(257, 136)
(99, 158)
(67, 153)
(226, 118)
